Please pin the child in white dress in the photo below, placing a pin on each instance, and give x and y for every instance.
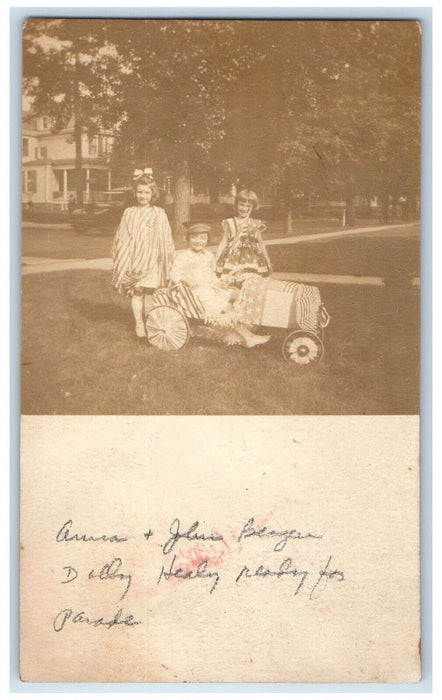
(196, 267)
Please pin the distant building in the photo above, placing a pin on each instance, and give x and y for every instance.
(48, 164)
(222, 193)
(49, 176)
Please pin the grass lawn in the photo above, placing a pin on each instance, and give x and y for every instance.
(377, 255)
(80, 356)
(65, 243)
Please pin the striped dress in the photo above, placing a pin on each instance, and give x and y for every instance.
(142, 251)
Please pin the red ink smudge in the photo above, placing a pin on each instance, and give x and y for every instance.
(190, 559)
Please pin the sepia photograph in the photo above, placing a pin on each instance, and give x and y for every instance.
(220, 332)
(220, 217)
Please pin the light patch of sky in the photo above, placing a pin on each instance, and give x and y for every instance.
(26, 103)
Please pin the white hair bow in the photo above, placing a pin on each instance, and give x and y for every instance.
(139, 173)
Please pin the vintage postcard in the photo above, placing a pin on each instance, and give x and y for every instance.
(220, 351)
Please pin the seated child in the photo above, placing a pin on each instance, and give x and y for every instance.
(196, 267)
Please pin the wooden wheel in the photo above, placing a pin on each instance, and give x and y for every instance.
(167, 328)
(302, 347)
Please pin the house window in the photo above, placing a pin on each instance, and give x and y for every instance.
(36, 153)
(30, 182)
(93, 147)
(25, 147)
(43, 152)
(45, 123)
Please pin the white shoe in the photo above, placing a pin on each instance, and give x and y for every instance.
(257, 340)
(140, 330)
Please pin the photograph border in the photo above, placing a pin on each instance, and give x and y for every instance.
(421, 14)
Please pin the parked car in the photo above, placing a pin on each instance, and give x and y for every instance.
(101, 222)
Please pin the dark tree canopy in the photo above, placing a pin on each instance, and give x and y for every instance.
(325, 106)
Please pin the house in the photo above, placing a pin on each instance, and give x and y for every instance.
(48, 164)
(49, 175)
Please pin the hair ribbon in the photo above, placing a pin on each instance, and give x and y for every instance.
(139, 173)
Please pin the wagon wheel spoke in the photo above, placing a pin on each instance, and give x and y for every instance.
(166, 327)
(302, 348)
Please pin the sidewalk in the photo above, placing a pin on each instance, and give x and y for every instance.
(36, 265)
(313, 237)
(37, 224)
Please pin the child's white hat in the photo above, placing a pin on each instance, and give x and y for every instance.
(197, 227)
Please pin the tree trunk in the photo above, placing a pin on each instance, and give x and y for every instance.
(306, 203)
(181, 198)
(350, 218)
(214, 192)
(288, 201)
(78, 163)
(288, 219)
(77, 141)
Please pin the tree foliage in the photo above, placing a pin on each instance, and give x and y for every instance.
(70, 65)
(335, 104)
(72, 72)
(319, 106)
(177, 94)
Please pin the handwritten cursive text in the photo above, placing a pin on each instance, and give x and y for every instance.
(201, 571)
(64, 535)
(189, 534)
(67, 614)
(283, 536)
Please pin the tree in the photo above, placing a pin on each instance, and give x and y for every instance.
(177, 93)
(364, 121)
(334, 108)
(325, 106)
(71, 72)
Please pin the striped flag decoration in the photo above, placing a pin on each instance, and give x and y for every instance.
(280, 304)
(305, 309)
(181, 297)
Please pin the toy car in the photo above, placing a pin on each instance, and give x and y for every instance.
(293, 311)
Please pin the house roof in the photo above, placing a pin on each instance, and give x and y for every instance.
(30, 124)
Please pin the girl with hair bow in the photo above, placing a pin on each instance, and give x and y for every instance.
(143, 248)
(138, 173)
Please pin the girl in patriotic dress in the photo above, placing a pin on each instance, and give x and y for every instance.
(143, 249)
(242, 248)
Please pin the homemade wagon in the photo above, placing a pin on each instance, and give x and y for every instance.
(293, 311)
